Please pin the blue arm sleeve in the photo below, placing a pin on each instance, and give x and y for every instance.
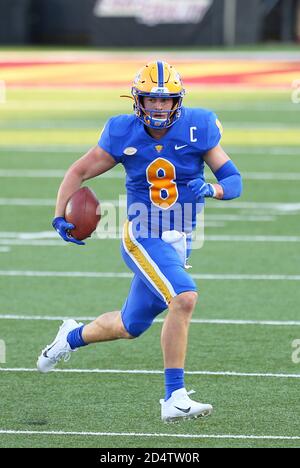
(230, 180)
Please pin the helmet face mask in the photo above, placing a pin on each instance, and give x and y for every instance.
(157, 80)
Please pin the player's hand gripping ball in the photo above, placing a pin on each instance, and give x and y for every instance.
(83, 211)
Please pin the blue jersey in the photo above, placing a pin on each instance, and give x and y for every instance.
(157, 171)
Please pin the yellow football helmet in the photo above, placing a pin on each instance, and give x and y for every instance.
(157, 80)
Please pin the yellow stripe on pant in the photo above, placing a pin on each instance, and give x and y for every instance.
(144, 264)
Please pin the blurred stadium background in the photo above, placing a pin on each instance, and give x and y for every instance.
(63, 66)
(148, 23)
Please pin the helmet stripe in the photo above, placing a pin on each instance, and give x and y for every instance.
(160, 70)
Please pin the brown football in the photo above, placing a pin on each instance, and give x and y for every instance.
(83, 210)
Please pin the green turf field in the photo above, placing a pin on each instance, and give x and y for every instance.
(248, 270)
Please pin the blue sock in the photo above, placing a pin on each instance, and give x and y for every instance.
(74, 338)
(174, 379)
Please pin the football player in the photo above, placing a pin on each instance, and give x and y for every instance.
(163, 147)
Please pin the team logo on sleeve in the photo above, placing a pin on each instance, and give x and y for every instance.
(130, 151)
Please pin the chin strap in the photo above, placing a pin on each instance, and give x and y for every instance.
(126, 96)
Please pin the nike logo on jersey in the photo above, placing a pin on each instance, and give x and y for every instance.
(180, 147)
(184, 410)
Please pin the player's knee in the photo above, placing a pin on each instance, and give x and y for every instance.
(185, 302)
(126, 335)
(121, 329)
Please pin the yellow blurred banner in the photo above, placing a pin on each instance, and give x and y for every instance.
(75, 70)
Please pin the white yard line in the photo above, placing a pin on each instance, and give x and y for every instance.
(280, 176)
(44, 124)
(27, 202)
(248, 218)
(67, 105)
(265, 176)
(209, 238)
(272, 206)
(51, 173)
(36, 239)
(255, 150)
(290, 207)
(59, 173)
(32, 173)
(149, 434)
(265, 106)
(52, 318)
(268, 150)
(155, 372)
(230, 238)
(231, 125)
(41, 149)
(28, 235)
(33, 243)
(127, 275)
(60, 243)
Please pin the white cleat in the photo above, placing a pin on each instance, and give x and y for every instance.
(59, 349)
(179, 406)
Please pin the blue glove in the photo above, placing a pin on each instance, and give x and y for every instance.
(201, 189)
(63, 228)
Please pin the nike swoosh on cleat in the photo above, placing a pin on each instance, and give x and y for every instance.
(184, 410)
(180, 147)
(48, 349)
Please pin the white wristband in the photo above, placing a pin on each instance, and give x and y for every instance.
(214, 190)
